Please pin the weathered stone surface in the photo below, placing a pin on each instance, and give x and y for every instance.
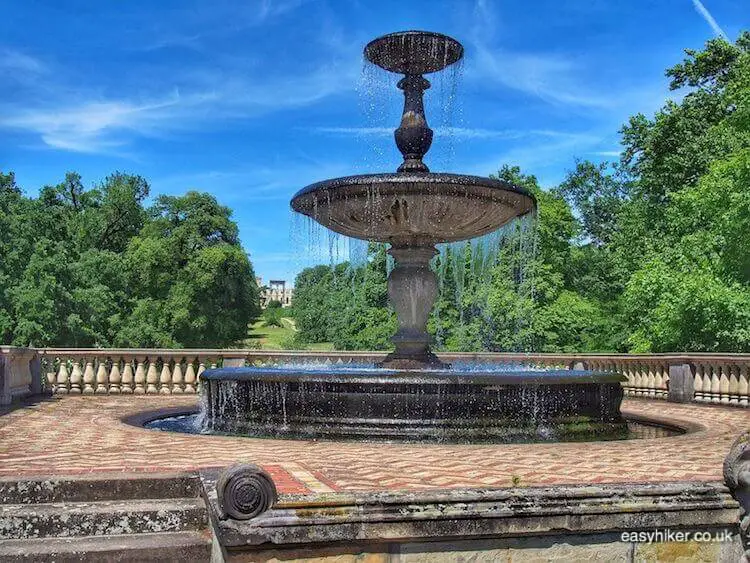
(535, 549)
(20, 373)
(104, 518)
(681, 385)
(408, 517)
(594, 548)
(690, 551)
(186, 547)
(97, 488)
(19, 521)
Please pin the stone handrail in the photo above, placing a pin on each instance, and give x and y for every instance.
(707, 378)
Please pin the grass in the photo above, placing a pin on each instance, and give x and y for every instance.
(275, 337)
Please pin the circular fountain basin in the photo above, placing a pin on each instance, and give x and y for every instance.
(431, 405)
(413, 209)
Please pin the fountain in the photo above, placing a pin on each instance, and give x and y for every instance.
(411, 394)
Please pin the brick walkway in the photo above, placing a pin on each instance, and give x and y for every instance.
(74, 435)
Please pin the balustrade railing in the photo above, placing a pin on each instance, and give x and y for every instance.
(716, 378)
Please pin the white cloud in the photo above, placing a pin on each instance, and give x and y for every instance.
(607, 153)
(706, 15)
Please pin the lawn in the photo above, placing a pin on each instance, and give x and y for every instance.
(275, 337)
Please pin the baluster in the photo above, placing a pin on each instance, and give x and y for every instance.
(734, 385)
(707, 383)
(638, 380)
(744, 386)
(698, 383)
(101, 377)
(715, 390)
(665, 381)
(165, 379)
(76, 376)
(658, 382)
(62, 381)
(189, 376)
(643, 385)
(115, 377)
(630, 383)
(51, 374)
(650, 381)
(177, 378)
(140, 376)
(724, 385)
(201, 369)
(151, 376)
(88, 376)
(126, 385)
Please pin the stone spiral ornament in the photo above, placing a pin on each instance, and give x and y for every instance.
(245, 491)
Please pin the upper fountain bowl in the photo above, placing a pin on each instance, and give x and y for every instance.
(413, 209)
(414, 52)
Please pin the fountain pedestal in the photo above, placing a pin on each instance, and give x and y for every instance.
(412, 290)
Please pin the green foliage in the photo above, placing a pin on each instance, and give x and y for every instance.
(96, 268)
(272, 316)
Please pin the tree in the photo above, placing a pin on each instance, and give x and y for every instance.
(94, 267)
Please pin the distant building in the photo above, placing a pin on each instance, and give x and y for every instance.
(275, 290)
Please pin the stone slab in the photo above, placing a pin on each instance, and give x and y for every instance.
(101, 518)
(186, 547)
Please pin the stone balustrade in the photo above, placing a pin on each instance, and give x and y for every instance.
(705, 378)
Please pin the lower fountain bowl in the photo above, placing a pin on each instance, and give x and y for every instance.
(434, 405)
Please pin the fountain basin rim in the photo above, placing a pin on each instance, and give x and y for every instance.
(410, 377)
(385, 180)
(390, 52)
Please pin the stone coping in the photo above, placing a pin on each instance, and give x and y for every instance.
(675, 357)
(461, 514)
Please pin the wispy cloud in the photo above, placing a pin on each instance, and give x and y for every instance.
(551, 77)
(710, 20)
(15, 61)
(264, 181)
(541, 156)
(104, 126)
(92, 126)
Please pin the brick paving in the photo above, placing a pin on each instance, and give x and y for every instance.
(77, 435)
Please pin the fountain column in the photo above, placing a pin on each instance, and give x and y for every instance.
(412, 290)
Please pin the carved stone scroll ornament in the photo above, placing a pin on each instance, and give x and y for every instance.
(245, 491)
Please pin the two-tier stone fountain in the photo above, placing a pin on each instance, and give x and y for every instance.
(411, 394)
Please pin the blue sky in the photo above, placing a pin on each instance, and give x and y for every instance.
(253, 100)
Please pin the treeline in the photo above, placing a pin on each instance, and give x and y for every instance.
(650, 253)
(97, 267)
